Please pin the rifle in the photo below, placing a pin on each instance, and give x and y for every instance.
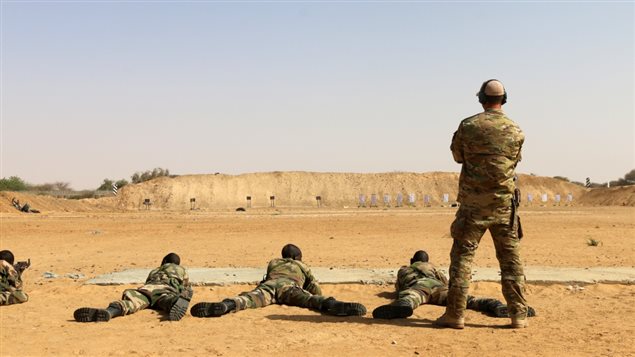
(20, 267)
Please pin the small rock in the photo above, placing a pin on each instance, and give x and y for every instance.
(394, 342)
(49, 275)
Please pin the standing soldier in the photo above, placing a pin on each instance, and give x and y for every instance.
(11, 279)
(488, 146)
(288, 282)
(167, 288)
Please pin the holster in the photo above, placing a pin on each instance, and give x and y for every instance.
(515, 218)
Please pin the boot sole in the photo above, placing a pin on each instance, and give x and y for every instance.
(208, 309)
(348, 309)
(179, 309)
(454, 325)
(392, 312)
(87, 314)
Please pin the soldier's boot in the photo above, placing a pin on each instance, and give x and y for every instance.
(179, 308)
(330, 306)
(519, 322)
(450, 321)
(213, 309)
(491, 307)
(396, 310)
(89, 314)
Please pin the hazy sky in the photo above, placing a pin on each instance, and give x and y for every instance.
(94, 90)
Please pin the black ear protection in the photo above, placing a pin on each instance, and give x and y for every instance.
(482, 97)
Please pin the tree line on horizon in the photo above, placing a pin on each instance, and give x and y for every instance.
(16, 183)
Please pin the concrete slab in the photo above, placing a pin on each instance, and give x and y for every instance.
(228, 276)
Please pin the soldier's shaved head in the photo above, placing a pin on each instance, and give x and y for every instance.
(7, 256)
(291, 251)
(420, 256)
(171, 258)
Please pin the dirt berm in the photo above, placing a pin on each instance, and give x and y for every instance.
(299, 189)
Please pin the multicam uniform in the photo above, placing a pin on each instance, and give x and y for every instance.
(488, 145)
(421, 283)
(11, 285)
(288, 282)
(161, 290)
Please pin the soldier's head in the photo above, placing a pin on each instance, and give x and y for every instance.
(420, 256)
(7, 256)
(492, 94)
(291, 251)
(171, 258)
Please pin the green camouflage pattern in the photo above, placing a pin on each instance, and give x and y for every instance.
(421, 283)
(489, 147)
(161, 290)
(288, 282)
(11, 285)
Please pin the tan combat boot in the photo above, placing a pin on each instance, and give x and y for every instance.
(448, 321)
(519, 322)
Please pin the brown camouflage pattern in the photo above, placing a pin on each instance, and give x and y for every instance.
(489, 147)
(11, 285)
(288, 282)
(161, 290)
(421, 283)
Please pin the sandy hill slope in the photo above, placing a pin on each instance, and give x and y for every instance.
(296, 189)
(299, 189)
(53, 204)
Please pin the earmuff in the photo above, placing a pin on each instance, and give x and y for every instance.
(482, 97)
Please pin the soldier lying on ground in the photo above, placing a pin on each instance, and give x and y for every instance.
(167, 289)
(288, 282)
(26, 208)
(11, 279)
(422, 283)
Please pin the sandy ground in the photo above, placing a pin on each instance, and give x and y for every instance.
(597, 320)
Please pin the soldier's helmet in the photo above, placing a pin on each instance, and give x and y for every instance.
(171, 258)
(291, 251)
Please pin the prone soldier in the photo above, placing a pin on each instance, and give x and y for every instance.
(167, 289)
(422, 283)
(288, 282)
(11, 279)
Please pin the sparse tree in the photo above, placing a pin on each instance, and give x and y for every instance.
(13, 183)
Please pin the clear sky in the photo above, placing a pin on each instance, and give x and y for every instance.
(94, 90)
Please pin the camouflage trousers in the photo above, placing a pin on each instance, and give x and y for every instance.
(425, 291)
(278, 291)
(158, 297)
(467, 230)
(13, 297)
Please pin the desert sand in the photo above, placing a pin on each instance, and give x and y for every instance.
(91, 238)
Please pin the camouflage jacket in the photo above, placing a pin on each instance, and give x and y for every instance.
(10, 280)
(295, 270)
(169, 274)
(409, 276)
(488, 145)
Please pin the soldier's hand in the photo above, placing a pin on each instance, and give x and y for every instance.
(22, 266)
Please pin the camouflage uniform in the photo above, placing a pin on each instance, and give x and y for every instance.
(488, 145)
(288, 282)
(421, 283)
(11, 285)
(161, 290)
